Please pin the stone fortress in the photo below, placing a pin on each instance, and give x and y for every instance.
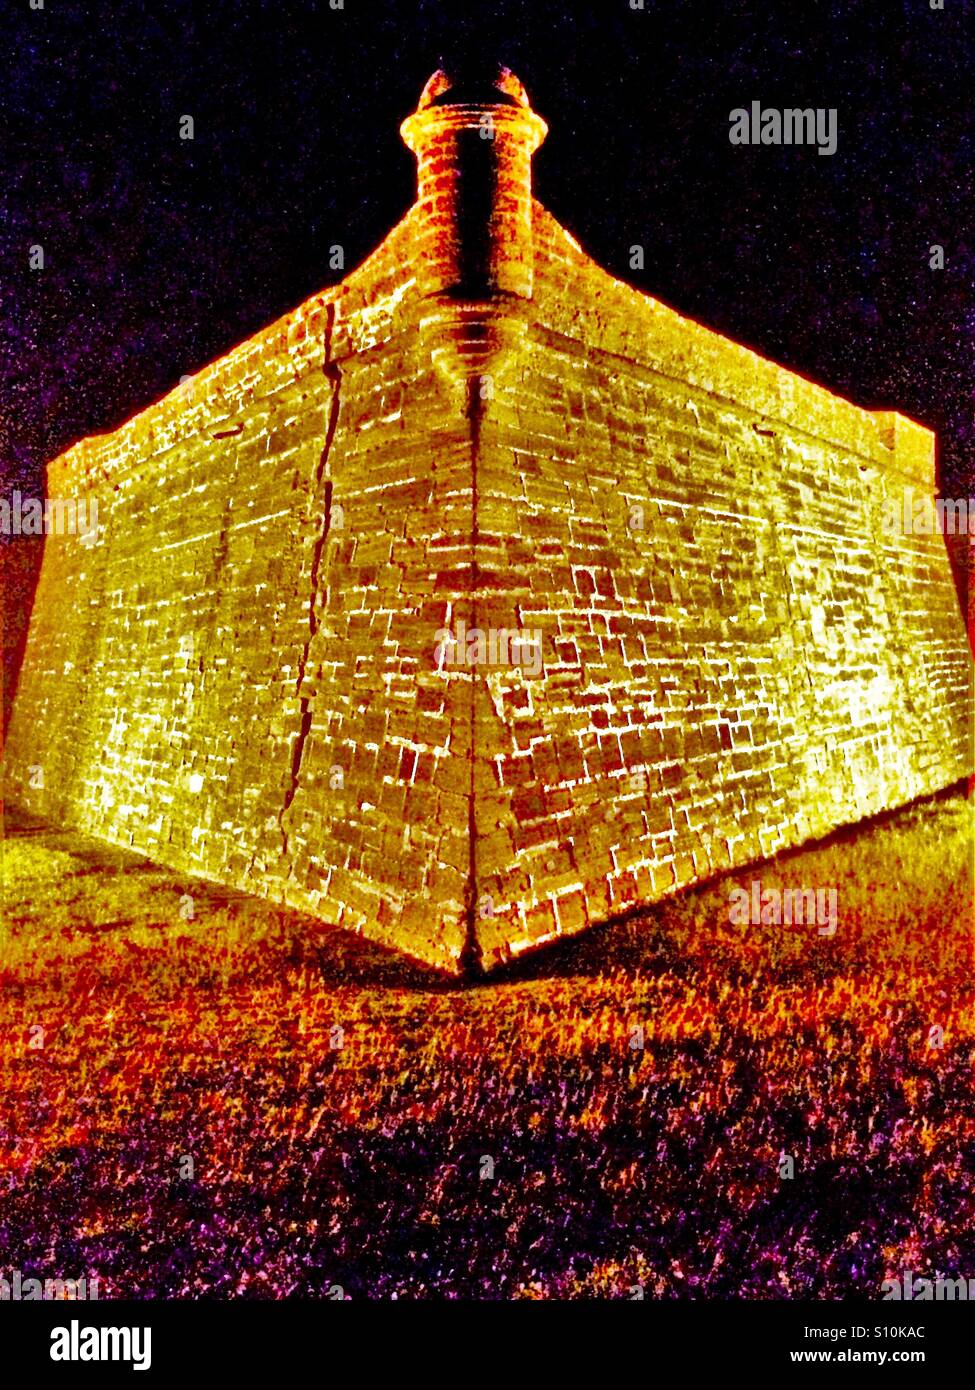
(482, 598)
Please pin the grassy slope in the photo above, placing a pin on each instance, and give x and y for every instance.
(316, 1164)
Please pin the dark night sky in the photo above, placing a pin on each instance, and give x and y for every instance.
(161, 253)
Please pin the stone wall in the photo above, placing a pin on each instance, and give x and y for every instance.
(238, 676)
(738, 657)
(244, 676)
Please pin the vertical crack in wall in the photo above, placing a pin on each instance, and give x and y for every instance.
(471, 960)
(333, 375)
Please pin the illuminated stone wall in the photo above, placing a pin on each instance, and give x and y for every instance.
(232, 678)
(738, 657)
(244, 677)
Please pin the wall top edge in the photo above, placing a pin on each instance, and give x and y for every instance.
(617, 318)
(608, 315)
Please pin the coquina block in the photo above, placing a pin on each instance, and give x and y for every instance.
(482, 598)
